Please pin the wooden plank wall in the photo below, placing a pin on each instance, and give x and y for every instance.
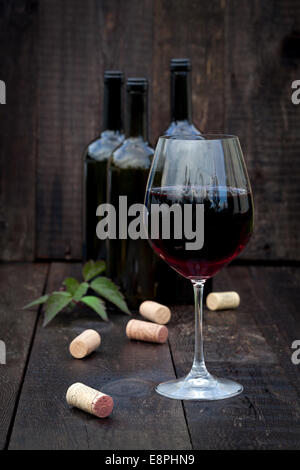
(245, 56)
(259, 73)
(18, 120)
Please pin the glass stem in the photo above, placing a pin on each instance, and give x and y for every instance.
(198, 368)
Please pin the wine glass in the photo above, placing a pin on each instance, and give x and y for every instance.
(204, 177)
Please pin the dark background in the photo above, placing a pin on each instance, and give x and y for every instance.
(245, 55)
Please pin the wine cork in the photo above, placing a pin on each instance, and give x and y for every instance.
(155, 312)
(145, 331)
(85, 344)
(90, 400)
(222, 300)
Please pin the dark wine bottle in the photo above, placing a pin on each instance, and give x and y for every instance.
(96, 156)
(131, 263)
(181, 99)
(173, 288)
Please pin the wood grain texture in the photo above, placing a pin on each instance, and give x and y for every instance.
(245, 57)
(18, 118)
(252, 345)
(260, 67)
(126, 370)
(278, 295)
(68, 107)
(124, 39)
(126, 36)
(78, 42)
(195, 30)
(19, 285)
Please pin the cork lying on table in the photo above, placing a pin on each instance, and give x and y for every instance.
(222, 300)
(90, 400)
(155, 312)
(85, 344)
(145, 331)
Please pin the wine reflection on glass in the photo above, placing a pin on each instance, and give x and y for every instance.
(207, 170)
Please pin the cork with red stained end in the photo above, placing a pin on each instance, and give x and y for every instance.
(145, 331)
(90, 400)
(85, 344)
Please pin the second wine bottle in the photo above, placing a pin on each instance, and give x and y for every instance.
(131, 263)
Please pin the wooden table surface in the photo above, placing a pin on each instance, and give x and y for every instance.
(251, 344)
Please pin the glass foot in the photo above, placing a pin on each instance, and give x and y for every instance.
(199, 388)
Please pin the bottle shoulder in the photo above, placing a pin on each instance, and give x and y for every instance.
(100, 149)
(133, 153)
(182, 127)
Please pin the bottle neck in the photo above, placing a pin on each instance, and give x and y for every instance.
(113, 109)
(137, 114)
(181, 99)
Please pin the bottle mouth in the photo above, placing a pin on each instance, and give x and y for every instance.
(180, 65)
(113, 75)
(137, 84)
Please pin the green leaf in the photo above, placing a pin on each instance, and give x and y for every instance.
(96, 304)
(38, 301)
(71, 285)
(92, 269)
(80, 291)
(107, 289)
(55, 303)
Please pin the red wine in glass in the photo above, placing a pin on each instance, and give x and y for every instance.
(228, 223)
(206, 175)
